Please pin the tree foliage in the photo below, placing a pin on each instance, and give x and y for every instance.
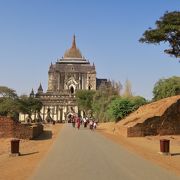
(29, 105)
(127, 89)
(11, 105)
(122, 106)
(7, 92)
(166, 88)
(103, 96)
(84, 100)
(167, 30)
(96, 102)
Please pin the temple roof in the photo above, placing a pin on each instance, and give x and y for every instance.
(73, 52)
(40, 89)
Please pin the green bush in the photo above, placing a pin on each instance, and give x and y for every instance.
(84, 99)
(166, 88)
(138, 101)
(121, 107)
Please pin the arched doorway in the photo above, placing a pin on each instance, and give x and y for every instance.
(69, 117)
(71, 90)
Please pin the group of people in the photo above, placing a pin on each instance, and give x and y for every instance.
(78, 121)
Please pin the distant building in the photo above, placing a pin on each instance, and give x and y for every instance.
(69, 74)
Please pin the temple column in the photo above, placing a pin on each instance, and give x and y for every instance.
(57, 110)
(43, 113)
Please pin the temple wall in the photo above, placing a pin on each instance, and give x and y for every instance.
(57, 113)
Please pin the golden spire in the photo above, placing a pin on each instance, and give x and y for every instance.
(74, 42)
(73, 52)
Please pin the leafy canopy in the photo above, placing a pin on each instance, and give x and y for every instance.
(167, 30)
(11, 105)
(102, 98)
(84, 99)
(166, 88)
(7, 92)
(122, 106)
(29, 105)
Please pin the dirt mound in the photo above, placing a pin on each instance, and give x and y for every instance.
(160, 117)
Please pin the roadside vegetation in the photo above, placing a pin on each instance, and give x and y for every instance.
(11, 104)
(167, 30)
(107, 104)
(166, 88)
(110, 103)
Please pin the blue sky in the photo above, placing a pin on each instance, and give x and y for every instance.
(35, 33)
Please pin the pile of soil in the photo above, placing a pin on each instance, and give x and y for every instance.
(157, 108)
(160, 117)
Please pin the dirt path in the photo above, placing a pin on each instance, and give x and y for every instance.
(87, 155)
(32, 151)
(147, 147)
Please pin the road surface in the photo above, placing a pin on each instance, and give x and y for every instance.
(87, 155)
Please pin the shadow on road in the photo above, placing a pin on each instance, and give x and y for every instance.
(47, 134)
(25, 154)
(175, 154)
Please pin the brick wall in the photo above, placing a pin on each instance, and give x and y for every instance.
(6, 127)
(10, 128)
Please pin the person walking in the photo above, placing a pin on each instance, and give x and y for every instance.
(73, 121)
(91, 124)
(94, 125)
(78, 122)
(85, 122)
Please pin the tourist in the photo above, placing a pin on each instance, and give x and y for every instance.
(73, 121)
(78, 122)
(91, 124)
(94, 125)
(85, 122)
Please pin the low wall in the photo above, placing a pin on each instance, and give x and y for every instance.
(10, 128)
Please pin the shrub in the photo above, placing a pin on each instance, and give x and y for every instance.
(166, 88)
(121, 107)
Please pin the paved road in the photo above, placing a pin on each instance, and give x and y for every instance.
(86, 155)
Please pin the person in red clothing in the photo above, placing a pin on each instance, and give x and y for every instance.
(78, 122)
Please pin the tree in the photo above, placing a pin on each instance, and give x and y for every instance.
(84, 100)
(167, 30)
(138, 101)
(128, 89)
(7, 92)
(119, 108)
(103, 97)
(29, 105)
(9, 105)
(166, 88)
(123, 106)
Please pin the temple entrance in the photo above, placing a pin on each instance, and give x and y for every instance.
(72, 90)
(69, 117)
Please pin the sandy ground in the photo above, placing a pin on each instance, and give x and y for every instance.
(32, 151)
(148, 147)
